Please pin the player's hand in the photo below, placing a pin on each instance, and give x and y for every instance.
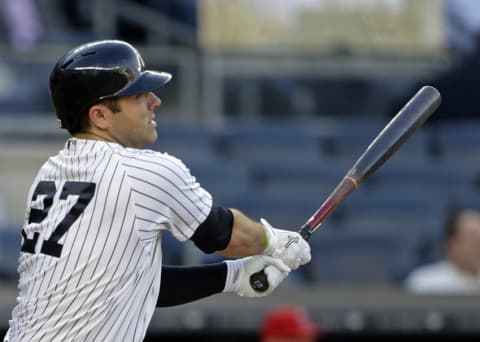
(240, 270)
(287, 245)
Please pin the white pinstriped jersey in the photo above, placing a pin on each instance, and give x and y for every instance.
(91, 255)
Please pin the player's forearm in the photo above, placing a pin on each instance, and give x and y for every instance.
(185, 284)
(248, 237)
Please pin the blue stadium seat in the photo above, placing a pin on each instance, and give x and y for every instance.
(434, 178)
(360, 258)
(390, 212)
(347, 143)
(191, 143)
(172, 250)
(29, 81)
(347, 139)
(270, 142)
(226, 181)
(458, 143)
(296, 179)
(281, 212)
(10, 243)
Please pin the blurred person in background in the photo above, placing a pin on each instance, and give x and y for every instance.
(288, 323)
(22, 22)
(459, 272)
(462, 26)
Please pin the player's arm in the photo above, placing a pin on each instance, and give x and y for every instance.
(184, 284)
(248, 237)
(232, 234)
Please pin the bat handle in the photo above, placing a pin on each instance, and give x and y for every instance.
(258, 280)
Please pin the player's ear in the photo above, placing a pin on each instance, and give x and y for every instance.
(100, 116)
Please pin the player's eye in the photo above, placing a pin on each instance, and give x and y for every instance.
(138, 96)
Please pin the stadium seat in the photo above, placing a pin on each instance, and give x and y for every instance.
(281, 212)
(458, 143)
(191, 143)
(360, 258)
(300, 178)
(172, 250)
(434, 178)
(391, 212)
(226, 181)
(347, 139)
(346, 143)
(270, 142)
(10, 240)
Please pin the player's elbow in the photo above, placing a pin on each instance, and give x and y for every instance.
(215, 232)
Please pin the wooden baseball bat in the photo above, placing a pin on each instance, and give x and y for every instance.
(413, 114)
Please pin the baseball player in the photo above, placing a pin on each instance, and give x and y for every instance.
(90, 267)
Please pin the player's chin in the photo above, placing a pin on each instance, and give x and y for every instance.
(152, 136)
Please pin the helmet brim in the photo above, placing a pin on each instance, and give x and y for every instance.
(147, 81)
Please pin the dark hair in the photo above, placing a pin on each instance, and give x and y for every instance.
(82, 122)
(451, 221)
(450, 228)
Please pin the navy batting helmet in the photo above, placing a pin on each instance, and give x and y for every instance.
(97, 71)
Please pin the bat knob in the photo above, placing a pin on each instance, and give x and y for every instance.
(258, 281)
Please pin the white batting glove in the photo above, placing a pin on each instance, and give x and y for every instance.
(240, 270)
(286, 245)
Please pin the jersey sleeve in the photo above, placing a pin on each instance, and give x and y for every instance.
(166, 196)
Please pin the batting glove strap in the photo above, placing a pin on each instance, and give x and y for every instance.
(271, 247)
(234, 270)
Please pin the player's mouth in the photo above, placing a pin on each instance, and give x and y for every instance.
(153, 122)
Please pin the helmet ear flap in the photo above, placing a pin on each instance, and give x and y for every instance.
(70, 122)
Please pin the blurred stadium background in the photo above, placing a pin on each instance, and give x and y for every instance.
(271, 103)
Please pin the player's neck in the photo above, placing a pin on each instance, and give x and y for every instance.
(89, 135)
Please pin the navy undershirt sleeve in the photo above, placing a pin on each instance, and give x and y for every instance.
(215, 232)
(184, 284)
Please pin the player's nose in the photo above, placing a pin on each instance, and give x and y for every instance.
(154, 100)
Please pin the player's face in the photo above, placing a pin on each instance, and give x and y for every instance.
(134, 125)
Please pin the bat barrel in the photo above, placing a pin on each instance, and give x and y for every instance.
(413, 114)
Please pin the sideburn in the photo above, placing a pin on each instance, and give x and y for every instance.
(112, 104)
